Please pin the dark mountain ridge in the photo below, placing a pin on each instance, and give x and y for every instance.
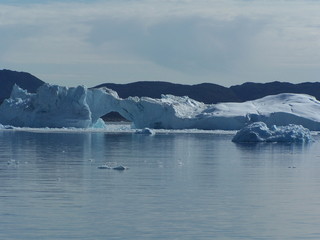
(204, 92)
(252, 91)
(24, 80)
(213, 93)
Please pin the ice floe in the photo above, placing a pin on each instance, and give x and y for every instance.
(259, 132)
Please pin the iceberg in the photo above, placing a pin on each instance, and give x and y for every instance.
(259, 132)
(57, 106)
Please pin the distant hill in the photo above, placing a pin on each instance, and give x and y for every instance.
(213, 93)
(205, 92)
(252, 91)
(24, 80)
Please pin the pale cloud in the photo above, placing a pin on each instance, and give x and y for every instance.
(225, 42)
(191, 44)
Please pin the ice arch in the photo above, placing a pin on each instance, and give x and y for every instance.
(56, 106)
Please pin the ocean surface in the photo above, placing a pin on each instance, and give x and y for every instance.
(177, 185)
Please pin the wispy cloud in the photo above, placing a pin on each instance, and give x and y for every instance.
(186, 41)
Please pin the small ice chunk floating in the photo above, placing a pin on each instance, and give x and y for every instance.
(118, 168)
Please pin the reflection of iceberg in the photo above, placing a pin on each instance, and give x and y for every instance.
(55, 106)
(259, 132)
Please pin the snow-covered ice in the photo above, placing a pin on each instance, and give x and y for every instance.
(145, 131)
(56, 107)
(5, 127)
(259, 132)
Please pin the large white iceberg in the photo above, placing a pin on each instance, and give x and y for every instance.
(56, 106)
(259, 132)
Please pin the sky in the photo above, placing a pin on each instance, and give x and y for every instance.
(226, 42)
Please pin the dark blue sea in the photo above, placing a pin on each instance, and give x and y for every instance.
(176, 185)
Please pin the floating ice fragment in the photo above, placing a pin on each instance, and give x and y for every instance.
(259, 132)
(13, 162)
(104, 167)
(6, 127)
(146, 131)
(118, 168)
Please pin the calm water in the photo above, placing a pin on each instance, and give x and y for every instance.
(178, 186)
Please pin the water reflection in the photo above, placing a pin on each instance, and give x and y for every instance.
(178, 186)
(275, 154)
(270, 146)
